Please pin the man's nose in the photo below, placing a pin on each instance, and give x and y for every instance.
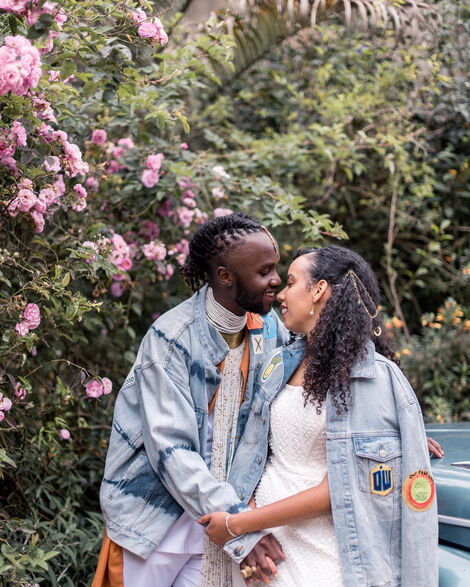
(275, 281)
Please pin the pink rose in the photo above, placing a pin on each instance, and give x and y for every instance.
(154, 162)
(107, 385)
(184, 146)
(19, 133)
(117, 289)
(218, 193)
(52, 163)
(20, 392)
(154, 251)
(20, 66)
(94, 389)
(126, 142)
(222, 212)
(139, 16)
(147, 30)
(150, 178)
(5, 403)
(22, 328)
(74, 165)
(64, 434)
(99, 136)
(185, 216)
(15, 6)
(92, 183)
(38, 221)
(32, 315)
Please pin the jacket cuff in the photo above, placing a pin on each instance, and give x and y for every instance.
(242, 545)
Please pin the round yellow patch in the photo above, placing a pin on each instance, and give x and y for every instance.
(419, 490)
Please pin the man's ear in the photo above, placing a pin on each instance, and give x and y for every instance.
(320, 290)
(224, 276)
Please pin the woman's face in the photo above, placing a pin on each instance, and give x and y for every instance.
(296, 298)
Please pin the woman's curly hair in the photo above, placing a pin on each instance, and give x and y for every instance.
(344, 326)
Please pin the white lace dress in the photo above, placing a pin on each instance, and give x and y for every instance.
(297, 462)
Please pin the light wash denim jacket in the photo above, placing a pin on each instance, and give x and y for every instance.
(382, 541)
(155, 463)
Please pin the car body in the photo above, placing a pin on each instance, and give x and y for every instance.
(452, 477)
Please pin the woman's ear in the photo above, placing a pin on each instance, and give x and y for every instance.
(321, 291)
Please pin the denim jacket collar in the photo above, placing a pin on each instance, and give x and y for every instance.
(211, 340)
(365, 368)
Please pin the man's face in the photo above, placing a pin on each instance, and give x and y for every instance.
(253, 267)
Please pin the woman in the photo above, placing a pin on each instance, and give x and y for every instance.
(347, 489)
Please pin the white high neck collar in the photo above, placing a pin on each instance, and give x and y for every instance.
(221, 318)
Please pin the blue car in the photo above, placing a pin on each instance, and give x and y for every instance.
(452, 477)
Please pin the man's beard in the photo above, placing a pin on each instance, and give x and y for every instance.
(249, 301)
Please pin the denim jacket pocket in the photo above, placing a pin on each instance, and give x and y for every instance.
(378, 461)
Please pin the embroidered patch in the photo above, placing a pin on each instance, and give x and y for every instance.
(381, 480)
(419, 490)
(257, 340)
(270, 368)
(254, 321)
(269, 326)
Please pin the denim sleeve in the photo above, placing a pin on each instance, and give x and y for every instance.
(419, 529)
(170, 432)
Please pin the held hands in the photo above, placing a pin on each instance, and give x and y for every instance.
(217, 527)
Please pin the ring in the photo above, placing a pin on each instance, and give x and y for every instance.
(254, 569)
(246, 572)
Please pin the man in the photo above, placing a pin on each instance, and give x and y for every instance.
(181, 411)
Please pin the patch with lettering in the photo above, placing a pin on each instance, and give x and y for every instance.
(270, 368)
(419, 490)
(381, 480)
(257, 340)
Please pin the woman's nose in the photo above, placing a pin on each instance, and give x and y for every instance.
(280, 296)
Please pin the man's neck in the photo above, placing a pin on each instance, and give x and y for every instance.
(221, 317)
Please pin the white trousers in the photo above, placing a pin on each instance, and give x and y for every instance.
(162, 569)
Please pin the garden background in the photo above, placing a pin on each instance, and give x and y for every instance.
(126, 124)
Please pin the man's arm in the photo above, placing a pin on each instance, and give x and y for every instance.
(171, 439)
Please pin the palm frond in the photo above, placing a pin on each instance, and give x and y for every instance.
(409, 15)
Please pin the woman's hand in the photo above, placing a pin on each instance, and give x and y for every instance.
(216, 527)
(435, 448)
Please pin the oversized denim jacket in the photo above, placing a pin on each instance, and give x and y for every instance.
(382, 541)
(155, 463)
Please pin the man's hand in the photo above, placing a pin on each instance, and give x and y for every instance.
(435, 448)
(264, 557)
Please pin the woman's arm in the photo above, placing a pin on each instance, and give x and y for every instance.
(305, 504)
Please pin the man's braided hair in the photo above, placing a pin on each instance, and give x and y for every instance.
(211, 239)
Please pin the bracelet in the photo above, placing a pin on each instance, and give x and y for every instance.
(227, 527)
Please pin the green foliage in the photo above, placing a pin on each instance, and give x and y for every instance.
(437, 363)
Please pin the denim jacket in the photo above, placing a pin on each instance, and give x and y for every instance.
(381, 540)
(155, 463)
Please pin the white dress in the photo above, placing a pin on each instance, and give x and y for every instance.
(297, 462)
